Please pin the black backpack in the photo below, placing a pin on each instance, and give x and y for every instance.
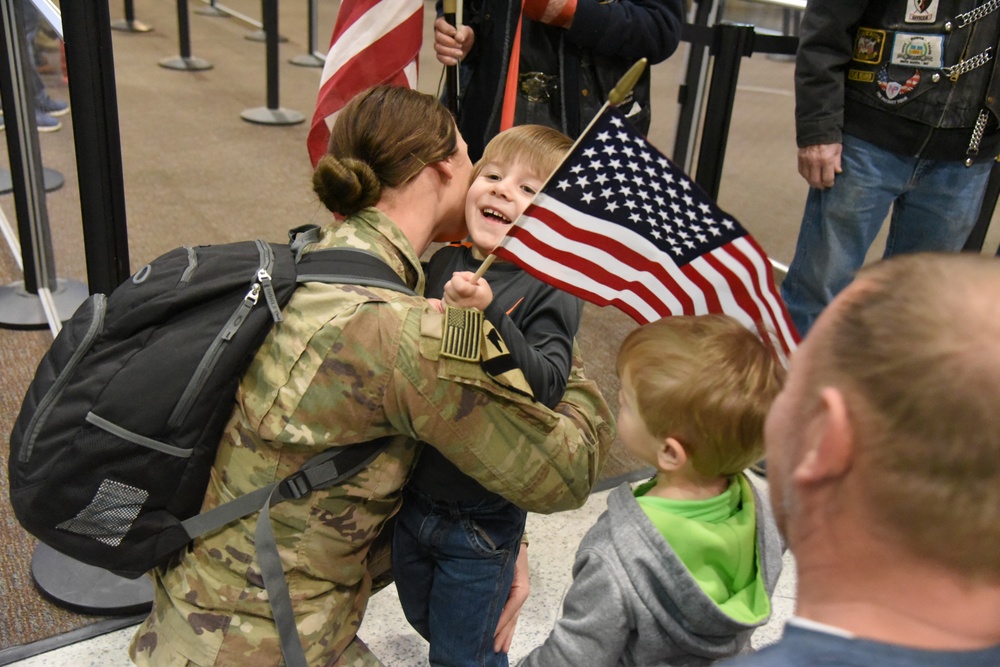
(111, 452)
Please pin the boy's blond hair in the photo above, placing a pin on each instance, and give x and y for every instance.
(541, 148)
(706, 381)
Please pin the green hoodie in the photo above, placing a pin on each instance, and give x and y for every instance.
(716, 539)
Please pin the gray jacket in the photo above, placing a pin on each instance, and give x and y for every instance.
(633, 602)
(910, 82)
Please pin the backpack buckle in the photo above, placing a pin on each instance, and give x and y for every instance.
(296, 485)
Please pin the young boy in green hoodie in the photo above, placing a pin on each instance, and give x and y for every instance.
(680, 570)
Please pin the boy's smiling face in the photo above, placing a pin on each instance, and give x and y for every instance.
(497, 196)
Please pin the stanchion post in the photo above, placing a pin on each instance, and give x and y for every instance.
(94, 100)
(273, 114)
(691, 93)
(732, 42)
(41, 299)
(185, 61)
(310, 59)
(25, 155)
(211, 10)
(261, 35)
(129, 24)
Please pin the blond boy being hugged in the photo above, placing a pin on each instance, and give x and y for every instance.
(679, 570)
(456, 544)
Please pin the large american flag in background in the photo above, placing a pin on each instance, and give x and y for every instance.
(374, 42)
(619, 224)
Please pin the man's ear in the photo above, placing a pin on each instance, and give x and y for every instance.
(830, 450)
(671, 455)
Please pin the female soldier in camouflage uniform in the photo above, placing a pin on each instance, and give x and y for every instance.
(349, 364)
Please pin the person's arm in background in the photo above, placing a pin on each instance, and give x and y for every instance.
(826, 36)
(629, 29)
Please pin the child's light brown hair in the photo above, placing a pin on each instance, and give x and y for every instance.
(541, 148)
(706, 381)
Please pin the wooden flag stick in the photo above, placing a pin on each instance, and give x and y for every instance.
(482, 267)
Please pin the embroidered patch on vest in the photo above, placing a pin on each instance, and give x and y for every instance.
(868, 45)
(918, 50)
(860, 75)
(921, 11)
(463, 334)
(894, 92)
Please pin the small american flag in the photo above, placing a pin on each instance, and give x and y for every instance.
(374, 42)
(619, 224)
(463, 334)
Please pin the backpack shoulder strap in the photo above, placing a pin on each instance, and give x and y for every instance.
(327, 468)
(349, 266)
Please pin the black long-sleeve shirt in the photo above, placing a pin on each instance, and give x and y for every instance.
(537, 322)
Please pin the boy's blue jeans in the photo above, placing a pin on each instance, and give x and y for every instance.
(453, 568)
(934, 203)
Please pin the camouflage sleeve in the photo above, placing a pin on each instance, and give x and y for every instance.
(489, 425)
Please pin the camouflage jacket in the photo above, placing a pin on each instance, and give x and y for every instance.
(346, 365)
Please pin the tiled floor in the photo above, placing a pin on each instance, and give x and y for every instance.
(554, 539)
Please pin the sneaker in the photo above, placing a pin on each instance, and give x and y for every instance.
(53, 107)
(46, 123)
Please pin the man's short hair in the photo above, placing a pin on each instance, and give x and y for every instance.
(915, 346)
(707, 381)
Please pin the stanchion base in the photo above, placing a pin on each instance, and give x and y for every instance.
(130, 26)
(86, 589)
(307, 60)
(191, 64)
(267, 116)
(52, 179)
(211, 11)
(19, 309)
(261, 36)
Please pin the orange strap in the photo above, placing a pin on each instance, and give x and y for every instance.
(513, 68)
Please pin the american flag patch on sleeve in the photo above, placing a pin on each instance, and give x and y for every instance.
(462, 334)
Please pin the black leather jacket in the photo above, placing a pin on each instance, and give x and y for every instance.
(580, 64)
(910, 82)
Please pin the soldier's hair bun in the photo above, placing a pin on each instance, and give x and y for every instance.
(346, 185)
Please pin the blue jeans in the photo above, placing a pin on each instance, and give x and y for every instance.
(32, 23)
(934, 203)
(453, 568)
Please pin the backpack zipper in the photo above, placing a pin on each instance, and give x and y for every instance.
(261, 282)
(38, 419)
(264, 278)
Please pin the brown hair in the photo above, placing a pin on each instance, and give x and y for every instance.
(381, 139)
(707, 381)
(540, 147)
(916, 344)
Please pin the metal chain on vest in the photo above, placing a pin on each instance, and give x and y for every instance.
(977, 13)
(966, 66)
(977, 136)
